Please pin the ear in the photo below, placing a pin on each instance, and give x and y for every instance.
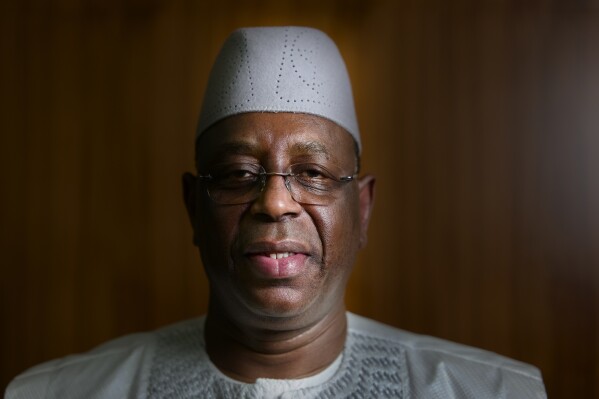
(366, 187)
(190, 199)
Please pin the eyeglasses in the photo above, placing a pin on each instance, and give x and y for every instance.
(240, 183)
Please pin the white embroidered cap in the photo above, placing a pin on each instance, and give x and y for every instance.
(279, 69)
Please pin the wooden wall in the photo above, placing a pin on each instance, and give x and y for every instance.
(479, 119)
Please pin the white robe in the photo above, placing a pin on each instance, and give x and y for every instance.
(378, 361)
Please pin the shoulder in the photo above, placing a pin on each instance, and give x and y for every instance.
(117, 368)
(435, 365)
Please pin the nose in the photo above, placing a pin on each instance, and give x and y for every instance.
(275, 201)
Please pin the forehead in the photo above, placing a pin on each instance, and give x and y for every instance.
(266, 135)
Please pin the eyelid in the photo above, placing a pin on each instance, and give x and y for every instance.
(311, 167)
(330, 171)
(327, 170)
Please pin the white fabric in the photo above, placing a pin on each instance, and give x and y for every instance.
(378, 361)
(279, 69)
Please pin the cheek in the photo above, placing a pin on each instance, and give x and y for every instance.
(217, 229)
(339, 231)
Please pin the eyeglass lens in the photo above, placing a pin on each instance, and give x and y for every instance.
(242, 183)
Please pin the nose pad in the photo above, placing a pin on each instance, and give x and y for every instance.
(288, 185)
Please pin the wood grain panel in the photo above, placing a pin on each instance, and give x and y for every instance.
(478, 119)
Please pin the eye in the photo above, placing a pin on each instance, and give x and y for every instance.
(235, 175)
(312, 174)
(310, 171)
(238, 174)
(313, 177)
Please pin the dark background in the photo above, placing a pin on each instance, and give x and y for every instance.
(479, 118)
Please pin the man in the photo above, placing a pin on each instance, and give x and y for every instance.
(279, 213)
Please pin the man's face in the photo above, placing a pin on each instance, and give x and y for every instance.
(316, 245)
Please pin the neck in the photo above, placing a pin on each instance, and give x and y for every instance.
(247, 354)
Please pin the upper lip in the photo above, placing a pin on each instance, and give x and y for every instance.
(270, 247)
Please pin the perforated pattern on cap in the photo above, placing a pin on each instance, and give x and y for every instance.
(279, 69)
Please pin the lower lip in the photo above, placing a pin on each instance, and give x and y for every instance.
(267, 267)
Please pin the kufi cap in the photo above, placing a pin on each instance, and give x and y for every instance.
(279, 69)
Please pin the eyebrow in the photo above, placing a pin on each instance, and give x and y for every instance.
(242, 147)
(237, 147)
(310, 148)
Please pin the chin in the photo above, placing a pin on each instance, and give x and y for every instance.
(276, 303)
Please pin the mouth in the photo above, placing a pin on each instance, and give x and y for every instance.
(280, 260)
(280, 255)
(276, 249)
